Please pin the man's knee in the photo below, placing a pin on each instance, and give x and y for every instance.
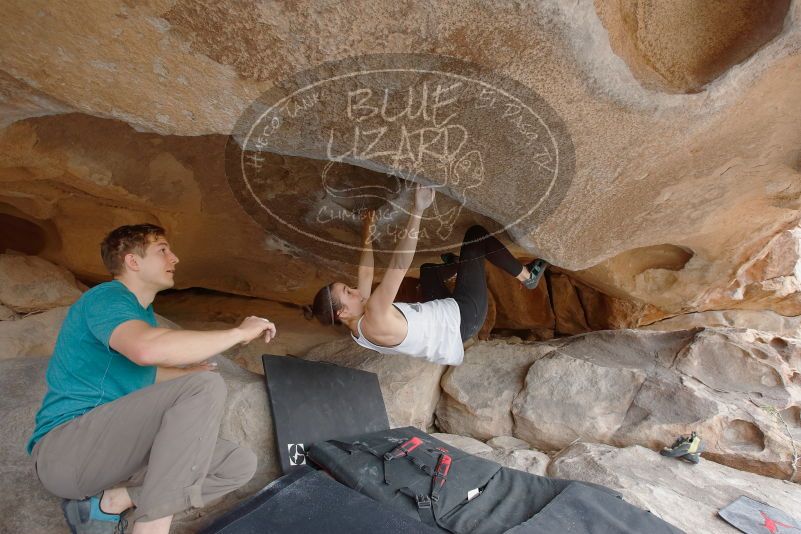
(475, 232)
(208, 382)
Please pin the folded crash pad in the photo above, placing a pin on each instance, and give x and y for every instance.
(312, 401)
(307, 501)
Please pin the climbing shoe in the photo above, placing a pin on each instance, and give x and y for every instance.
(687, 448)
(122, 525)
(537, 269)
(85, 517)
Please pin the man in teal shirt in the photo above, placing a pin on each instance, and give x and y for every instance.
(122, 426)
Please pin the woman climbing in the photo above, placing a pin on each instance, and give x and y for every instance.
(435, 328)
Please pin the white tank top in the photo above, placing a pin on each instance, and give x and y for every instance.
(433, 332)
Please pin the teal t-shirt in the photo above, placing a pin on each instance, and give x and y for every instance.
(84, 371)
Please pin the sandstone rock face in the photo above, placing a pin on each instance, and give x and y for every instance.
(687, 496)
(714, 37)
(517, 307)
(477, 395)
(27, 507)
(465, 443)
(762, 320)
(682, 391)
(559, 388)
(770, 279)
(739, 389)
(30, 284)
(410, 386)
(507, 443)
(530, 461)
(570, 318)
(176, 183)
(34, 335)
(674, 195)
(7, 314)
(19, 101)
(606, 312)
(561, 305)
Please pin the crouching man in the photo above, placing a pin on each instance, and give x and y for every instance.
(121, 426)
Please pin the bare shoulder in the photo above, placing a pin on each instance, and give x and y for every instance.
(386, 326)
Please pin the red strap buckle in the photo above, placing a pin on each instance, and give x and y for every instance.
(443, 466)
(403, 449)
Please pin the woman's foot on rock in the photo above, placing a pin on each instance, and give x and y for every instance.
(536, 269)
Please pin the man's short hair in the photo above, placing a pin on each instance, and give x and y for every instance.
(133, 238)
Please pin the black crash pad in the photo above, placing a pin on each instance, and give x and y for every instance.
(307, 501)
(316, 401)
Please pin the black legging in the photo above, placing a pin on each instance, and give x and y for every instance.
(471, 280)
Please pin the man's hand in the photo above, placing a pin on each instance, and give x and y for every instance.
(423, 197)
(252, 327)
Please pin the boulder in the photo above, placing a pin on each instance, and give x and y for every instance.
(465, 443)
(410, 386)
(508, 443)
(477, 395)
(688, 496)
(679, 392)
(739, 389)
(34, 335)
(567, 397)
(528, 460)
(32, 284)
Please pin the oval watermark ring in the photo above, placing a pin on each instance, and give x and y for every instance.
(318, 148)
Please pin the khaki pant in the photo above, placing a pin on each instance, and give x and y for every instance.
(160, 441)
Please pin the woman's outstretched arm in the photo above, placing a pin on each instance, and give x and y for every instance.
(384, 295)
(366, 263)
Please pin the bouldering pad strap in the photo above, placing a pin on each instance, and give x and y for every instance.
(425, 508)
